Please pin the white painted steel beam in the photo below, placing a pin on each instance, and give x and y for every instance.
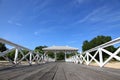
(13, 44)
(18, 50)
(110, 43)
(87, 58)
(5, 52)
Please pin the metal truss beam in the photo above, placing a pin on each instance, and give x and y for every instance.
(87, 58)
(33, 56)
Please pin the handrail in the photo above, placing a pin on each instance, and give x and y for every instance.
(112, 42)
(13, 44)
(33, 56)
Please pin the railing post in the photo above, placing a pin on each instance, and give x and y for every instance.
(81, 59)
(65, 56)
(43, 57)
(55, 55)
(47, 58)
(30, 58)
(87, 54)
(16, 56)
(100, 57)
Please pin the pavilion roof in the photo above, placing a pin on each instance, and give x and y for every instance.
(60, 48)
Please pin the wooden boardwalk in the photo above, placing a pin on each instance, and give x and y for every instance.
(58, 71)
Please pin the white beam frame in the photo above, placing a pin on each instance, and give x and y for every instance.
(33, 56)
(84, 57)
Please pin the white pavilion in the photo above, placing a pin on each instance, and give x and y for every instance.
(57, 49)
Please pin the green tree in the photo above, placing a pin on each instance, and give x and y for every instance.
(86, 45)
(51, 54)
(39, 49)
(25, 52)
(2, 47)
(71, 54)
(96, 42)
(11, 55)
(60, 56)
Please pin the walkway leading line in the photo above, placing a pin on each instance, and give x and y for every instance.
(59, 71)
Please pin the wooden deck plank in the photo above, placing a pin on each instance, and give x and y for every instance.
(60, 74)
(50, 74)
(59, 71)
(85, 73)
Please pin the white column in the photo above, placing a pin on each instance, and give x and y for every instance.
(44, 57)
(65, 55)
(100, 57)
(47, 58)
(16, 56)
(81, 59)
(55, 55)
(87, 54)
(37, 58)
(30, 58)
(76, 57)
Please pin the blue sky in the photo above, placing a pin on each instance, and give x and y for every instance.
(58, 22)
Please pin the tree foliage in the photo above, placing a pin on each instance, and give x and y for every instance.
(39, 49)
(60, 56)
(11, 54)
(2, 47)
(96, 42)
(51, 54)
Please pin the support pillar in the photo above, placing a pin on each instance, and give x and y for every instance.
(76, 57)
(55, 56)
(37, 59)
(87, 55)
(44, 57)
(100, 57)
(30, 58)
(16, 56)
(47, 57)
(65, 55)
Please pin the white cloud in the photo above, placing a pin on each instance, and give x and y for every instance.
(80, 1)
(42, 5)
(106, 16)
(77, 3)
(9, 21)
(102, 15)
(93, 13)
(14, 23)
(44, 31)
(18, 24)
(36, 33)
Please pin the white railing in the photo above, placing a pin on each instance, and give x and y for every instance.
(33, 56)
(87, 58)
